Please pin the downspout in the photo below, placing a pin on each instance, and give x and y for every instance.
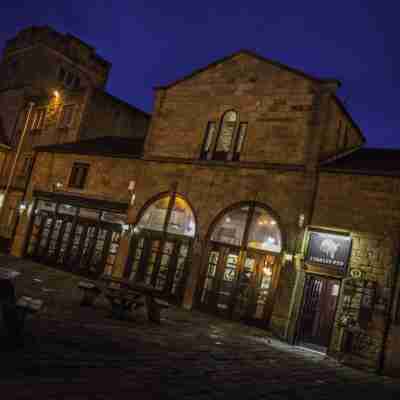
(28, 180)
(388, 322)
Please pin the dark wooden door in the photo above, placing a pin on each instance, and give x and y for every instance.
(318, 311)
(220, 280)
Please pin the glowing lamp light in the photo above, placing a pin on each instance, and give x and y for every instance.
(22, 207)
(267, 271)
(273, 222)
(56, 94)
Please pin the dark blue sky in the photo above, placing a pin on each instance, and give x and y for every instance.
(155, 42)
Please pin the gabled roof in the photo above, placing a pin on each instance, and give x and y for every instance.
(108, 146)
(279, 65)
(255, 55)
(367, 161)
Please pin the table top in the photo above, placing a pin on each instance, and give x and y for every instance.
(138, 286)
(8, 274)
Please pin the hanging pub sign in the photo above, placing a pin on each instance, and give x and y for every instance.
(332, 250)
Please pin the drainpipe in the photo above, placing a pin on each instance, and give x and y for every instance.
(388, 322)
(27, 183)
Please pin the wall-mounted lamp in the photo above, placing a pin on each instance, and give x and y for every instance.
(131, 189)
(22, 207)
(267, 271)
(57, 186)
(301, 220)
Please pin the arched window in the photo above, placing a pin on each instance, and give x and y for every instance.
(226, 135)
(261, 227)
(180, 217)
(161, 245)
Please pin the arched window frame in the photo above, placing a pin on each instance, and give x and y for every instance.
(252, 207)
(229, 154)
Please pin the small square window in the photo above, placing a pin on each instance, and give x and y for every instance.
(78, 175)
(37, 119)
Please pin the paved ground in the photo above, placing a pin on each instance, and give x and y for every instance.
(75, 353)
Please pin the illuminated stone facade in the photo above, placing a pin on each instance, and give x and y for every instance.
(242, 138)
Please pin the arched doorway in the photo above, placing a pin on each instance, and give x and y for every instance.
(161, 245)
(244, 244)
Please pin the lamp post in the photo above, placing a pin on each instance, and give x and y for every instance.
(16, 157)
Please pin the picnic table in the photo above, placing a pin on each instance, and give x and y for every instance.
(125, 295)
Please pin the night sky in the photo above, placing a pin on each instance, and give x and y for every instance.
(156, 42)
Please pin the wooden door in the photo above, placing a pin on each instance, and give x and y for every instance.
(318, 311)
(226, 276)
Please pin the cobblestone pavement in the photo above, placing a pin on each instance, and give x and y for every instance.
(70, 352)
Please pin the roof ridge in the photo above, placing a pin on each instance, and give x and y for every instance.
(252, 53)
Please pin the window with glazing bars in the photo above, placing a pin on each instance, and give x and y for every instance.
(78, 175)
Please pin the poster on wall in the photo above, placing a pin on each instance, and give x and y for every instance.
(329, 249)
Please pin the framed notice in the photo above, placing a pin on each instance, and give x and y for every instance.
(330, 250)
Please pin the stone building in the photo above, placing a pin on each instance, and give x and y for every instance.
(64, 79)
(252, 197)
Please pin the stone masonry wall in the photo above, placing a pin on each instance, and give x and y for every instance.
(276, 104)
(369, 208)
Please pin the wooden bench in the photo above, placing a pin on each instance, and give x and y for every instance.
(90, 292)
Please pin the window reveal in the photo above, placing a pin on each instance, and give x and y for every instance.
(239, 141)
(228, 143)
(78, 175)
(210, 133)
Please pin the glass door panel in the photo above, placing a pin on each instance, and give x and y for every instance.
(87, 247)
(165, 261)
(54, 239)
(151, 260)
(206, 294)
(137, 257)
(245, 292)
(44, 236)
(263, 285)
(179, 274)
(97, 254)
(76, 241)
(228, 281)
(35, 233)
(64, 242)
(112, 251)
